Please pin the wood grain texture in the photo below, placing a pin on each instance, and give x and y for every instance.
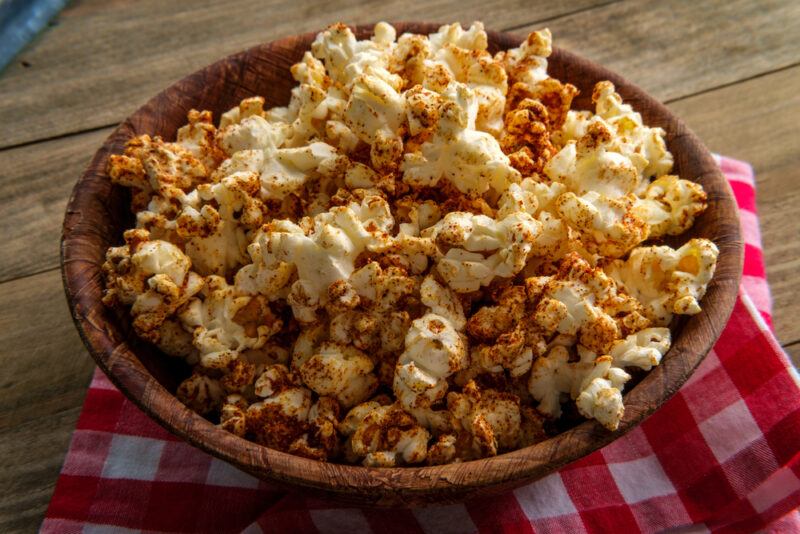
(45, 373)
(756, 121)
(63, 51)
(674, 49)
(793, 351)
(97, 81)
(37, 448)
(95, 220)
(37, 180)
(753, 120)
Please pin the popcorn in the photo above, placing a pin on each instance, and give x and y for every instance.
(424, 218)
(527, 72)
(434, 350)
(199, 138)
(252, 133)
(470, 159)
(325, 256)
(152, 277)
(609, 226)
(232, 415)
(574, 302)
(644, 349)
(321, 441)
(595, 382)
(384, 436)
(528, 62)
(346, 59)
(592, 165)
(670, 205)
(225, 323)
(465, 266)
(281, 416)
(200, 393)
(667, 281)
(632, 136)
(461, 56)
(550, 379)
(340, 371)
(153, 167)
(510, 341)
(375, 109)
(527, 137)
(490, 419)
(215, 236)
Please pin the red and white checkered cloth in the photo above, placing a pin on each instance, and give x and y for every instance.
(723, 455)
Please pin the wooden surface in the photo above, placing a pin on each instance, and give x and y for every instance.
(97, 215)
(730, 70)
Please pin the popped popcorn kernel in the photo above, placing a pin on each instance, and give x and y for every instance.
(425, 256)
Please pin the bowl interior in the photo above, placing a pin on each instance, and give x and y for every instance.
(98, 213)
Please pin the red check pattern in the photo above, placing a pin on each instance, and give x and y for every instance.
(723, 455)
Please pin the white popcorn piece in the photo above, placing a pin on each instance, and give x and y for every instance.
(471, 160)
(670, 205)
(610, 226)
(340, 371)
(325, 256)
(422, 217)
(442, 302)
(481, 248)
(595, 383)
(461, 56)
(491, 418)
(590, 164)
(580, 300)
(632, 136)
(550, 380)
(215, 236)
(152, 277)
(644, 349)
(528, 62)
(384, 436)
(281, 415)
(644, 146)
(434, 350)
(667, 281)
(454, 34)
(253, 133)
(375, 110)
(346, 58)
(225, 323)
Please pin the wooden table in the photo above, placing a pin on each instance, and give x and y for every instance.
(730, 69)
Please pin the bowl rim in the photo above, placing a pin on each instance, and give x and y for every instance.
(396, 485)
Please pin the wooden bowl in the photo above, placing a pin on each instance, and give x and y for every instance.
(98, 213)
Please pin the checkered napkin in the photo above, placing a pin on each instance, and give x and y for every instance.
(723, 455)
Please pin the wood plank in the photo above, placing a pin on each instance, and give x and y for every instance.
(752, 121)
(756, 121)
(45, 373)
(677, 48)
(793, 351)
(42, 356)
(35, 451)
(137, 48)
(37, 181)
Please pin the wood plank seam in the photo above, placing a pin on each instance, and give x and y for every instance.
(96, 128)
(559, 17)
(59, 136)
(731, 84)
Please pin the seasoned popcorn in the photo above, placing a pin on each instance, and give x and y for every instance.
(421, 259)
